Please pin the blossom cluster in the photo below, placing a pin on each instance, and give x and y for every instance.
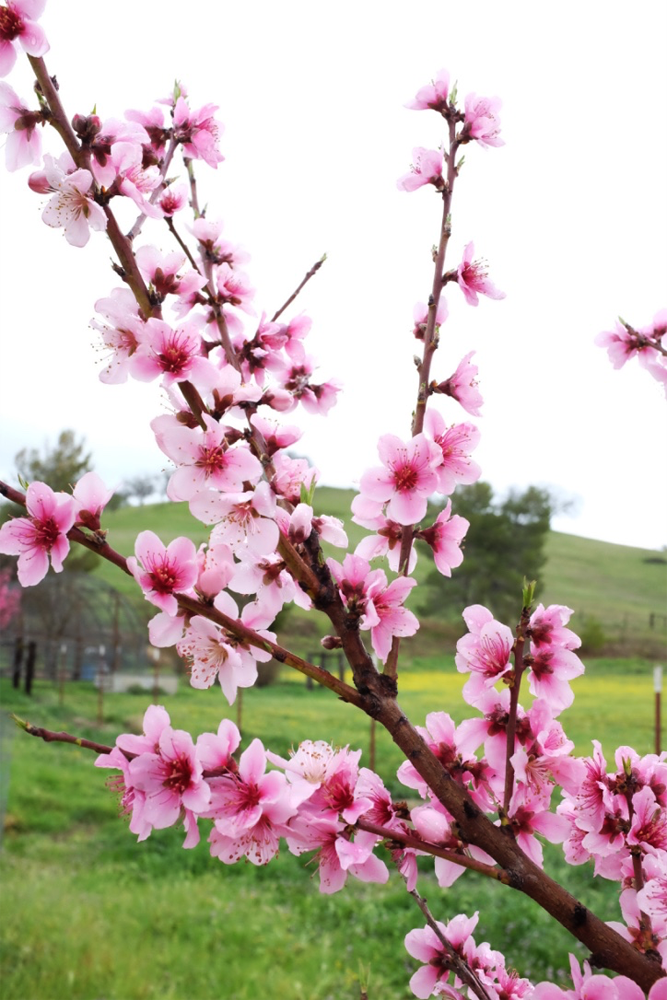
(320, 800)
(187, 319)
(647, 343)
(311, 801)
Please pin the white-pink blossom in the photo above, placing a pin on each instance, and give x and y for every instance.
(71, 207)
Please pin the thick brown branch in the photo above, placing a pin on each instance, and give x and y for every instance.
(608, 949)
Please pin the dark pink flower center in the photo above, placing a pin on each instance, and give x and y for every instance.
(298, 380)
(249, 796)
(541, 665)
(474, 274)
(178, 774)
(163, 579)
(271, 572)
(405, 478)
(540, 632)
(211, 459)
(165, 284)
(11, 24)
(46, 533)
(338, 794)
(174, 357)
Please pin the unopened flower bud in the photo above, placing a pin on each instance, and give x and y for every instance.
(38, 183)
(331, 642)
(86, 127)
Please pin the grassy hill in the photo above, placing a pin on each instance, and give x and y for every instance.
(614, 589)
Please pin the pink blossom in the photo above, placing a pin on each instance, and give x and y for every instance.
(251, 810)
(531, 818)
(462, 386)
(547, 627)
(420, 314)
(275, 436)
(17, 24)
(156, 719)
(407, 479)
(212, 248)
(171, 779)
(649, 821)
(426, 169)
(290, 475)
(132, 179)
(445, 537)
(394, 619)
(337, 856)
(199, 132)
(173, 200)
(267, 577)
(102, 138)
(70, 207)
(215, 749)
(10, 599)
(455, 443)
(551, 669)
(212, 653)
(205, 461)
(472, 278)
(589, 986)
(163, 571)
(387, 541)
(335, 794)
(481, 120)
(174, 354)
(446, 740)
(625, 342)
(160, 270)
(152, 122)
(24, 142)
(426, 946)
(485, 651)
(122, 337)
(91, 496)
(233, 287)
(434, 95)
(244, 521)
(297, 380)
(132, 800)
(40, 535)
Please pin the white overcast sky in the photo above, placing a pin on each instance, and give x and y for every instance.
(571, 214)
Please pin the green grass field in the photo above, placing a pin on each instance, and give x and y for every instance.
(88, 914)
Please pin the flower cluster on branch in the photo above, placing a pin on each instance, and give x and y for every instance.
(485, 788)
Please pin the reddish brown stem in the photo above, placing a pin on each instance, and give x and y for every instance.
(121, 244)
(513, 709)
(50, 737)
(490, 871)
(430, 346)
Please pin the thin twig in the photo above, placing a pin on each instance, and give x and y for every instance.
(457, 962)
(314, 269)
(409, 840)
